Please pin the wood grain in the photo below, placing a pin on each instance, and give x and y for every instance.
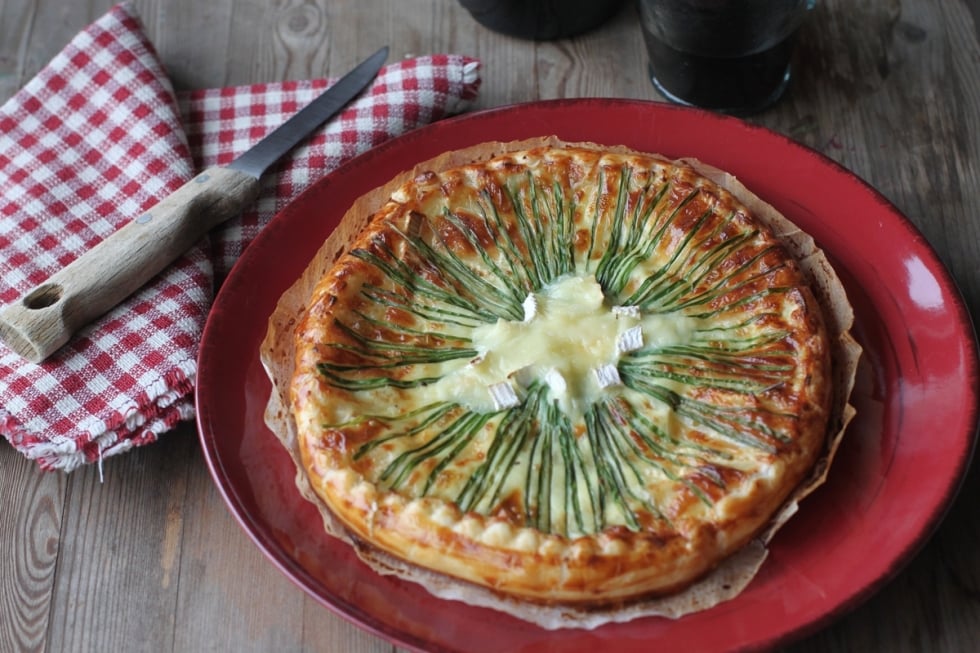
(150, 559)
(32, 506)
(113, 580)
(16, 31)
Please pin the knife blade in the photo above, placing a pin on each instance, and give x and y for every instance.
(45, 318)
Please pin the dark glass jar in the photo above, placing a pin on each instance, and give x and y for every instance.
(541, 20)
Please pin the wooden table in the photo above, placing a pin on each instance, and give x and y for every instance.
(150, 559)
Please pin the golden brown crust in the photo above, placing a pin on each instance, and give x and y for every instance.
(704, 507)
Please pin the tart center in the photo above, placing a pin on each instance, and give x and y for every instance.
(570, 339)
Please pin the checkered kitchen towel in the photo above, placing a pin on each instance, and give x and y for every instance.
(98, 137)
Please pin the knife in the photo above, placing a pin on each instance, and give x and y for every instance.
(46, 317)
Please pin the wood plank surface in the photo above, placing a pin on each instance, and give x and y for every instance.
(145, 556)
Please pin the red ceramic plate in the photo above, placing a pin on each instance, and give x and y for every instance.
(899, 467)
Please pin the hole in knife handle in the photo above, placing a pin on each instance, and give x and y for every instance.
(42, 297)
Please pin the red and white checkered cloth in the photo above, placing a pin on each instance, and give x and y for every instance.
(98, 137)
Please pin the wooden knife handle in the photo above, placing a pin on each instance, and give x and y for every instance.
(45, 318)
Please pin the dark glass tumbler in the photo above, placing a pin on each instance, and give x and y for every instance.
(731, 56)
(541, 20)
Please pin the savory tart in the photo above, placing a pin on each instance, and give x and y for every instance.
(568, 375)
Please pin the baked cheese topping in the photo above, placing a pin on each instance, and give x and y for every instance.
(563, 353)
(572, 340)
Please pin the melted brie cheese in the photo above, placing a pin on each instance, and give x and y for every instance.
(569, 334)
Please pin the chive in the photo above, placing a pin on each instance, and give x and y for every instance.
(430, 333)
(417, 306)
(466, 281)
(517, 292)
(653, 435)
(638, 246)
(654, 455)
(706, 371)
(509, 439)
(687, 281)
(609, 469)
(474, 422)
(629, 456)
(371, 383)
(719, 288)
(728, 423)
(371, 347)
(534, 260)
(399, 272)
(453, 438)
(537, 479)
(575, 476)
(435, 412)
(505, 243)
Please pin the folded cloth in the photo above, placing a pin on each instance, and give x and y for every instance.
(98, 137)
